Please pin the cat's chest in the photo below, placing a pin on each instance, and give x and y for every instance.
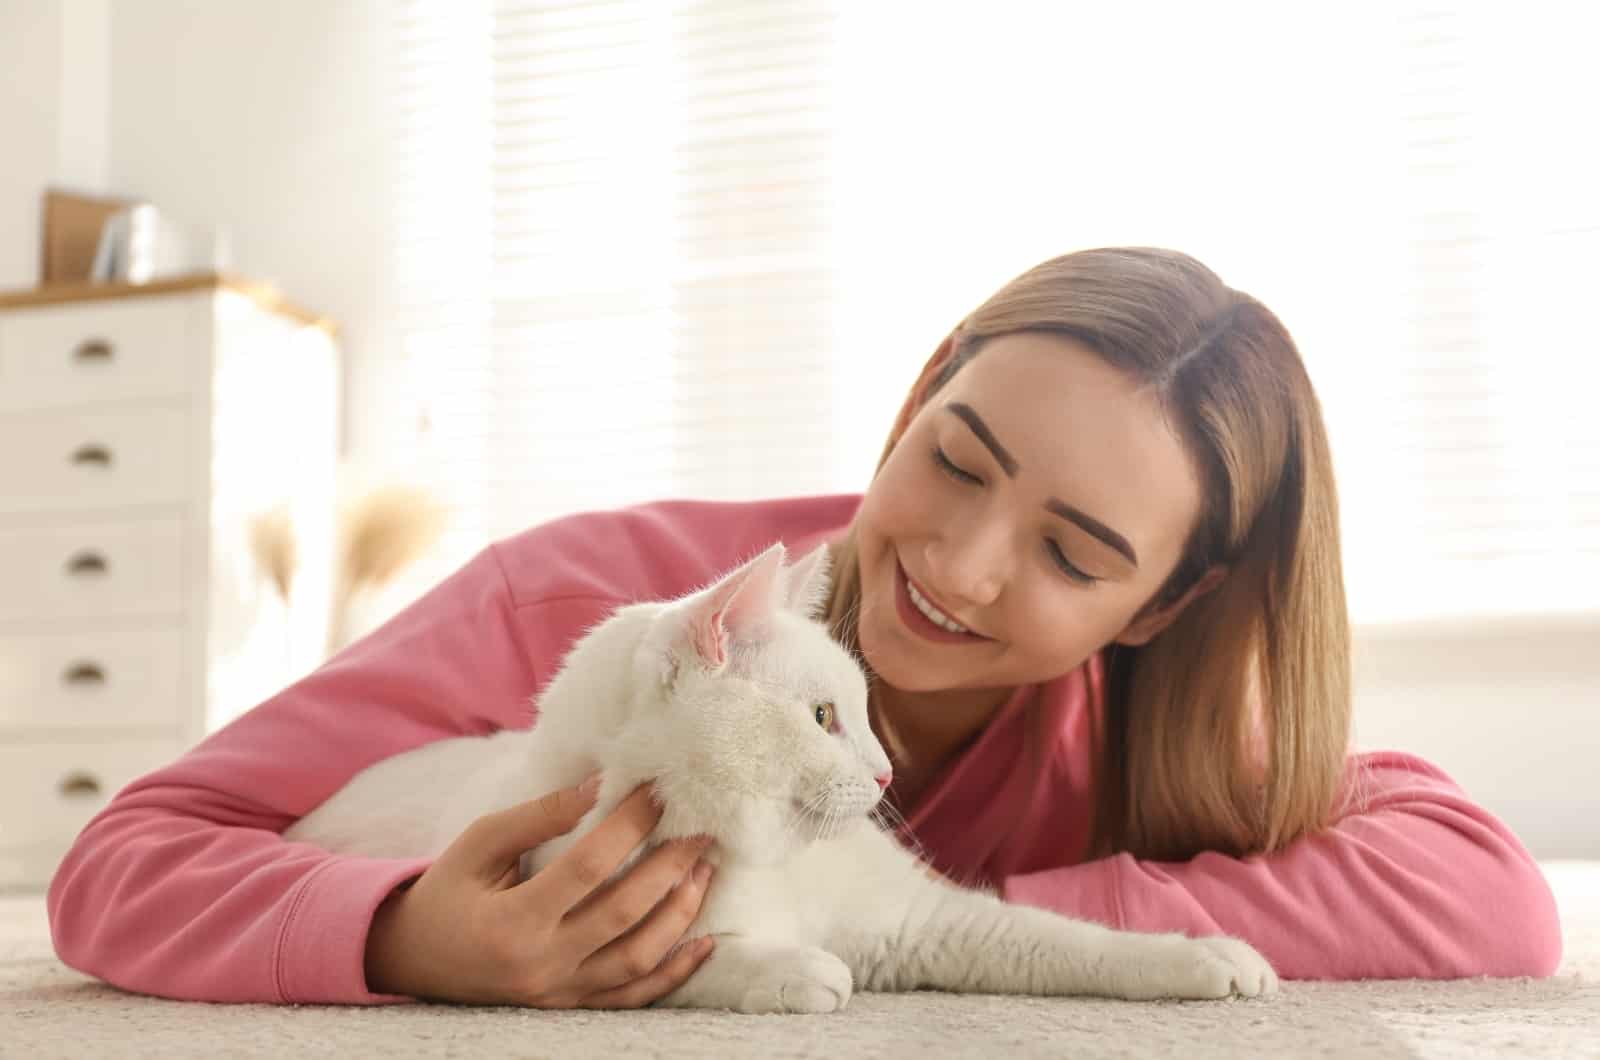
(807, 898)
(765, 901)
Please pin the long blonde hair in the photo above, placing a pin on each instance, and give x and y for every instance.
(1228, 731)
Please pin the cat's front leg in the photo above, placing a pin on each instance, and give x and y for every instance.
(944, 937)
(972, 942)
(747, 975)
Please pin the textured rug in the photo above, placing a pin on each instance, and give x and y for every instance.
(47, 1010)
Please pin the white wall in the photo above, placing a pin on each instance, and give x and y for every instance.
(1510, 709)
(265, 118)
(54, 79)
(30, 104)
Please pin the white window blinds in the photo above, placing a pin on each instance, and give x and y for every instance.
(617, 253)
(653, 249)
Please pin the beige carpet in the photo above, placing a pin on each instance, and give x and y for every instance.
(47, 1010)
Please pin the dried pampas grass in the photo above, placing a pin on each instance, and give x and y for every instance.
(381, 532)
(273, 545)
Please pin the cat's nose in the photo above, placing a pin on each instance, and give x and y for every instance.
(883, 780)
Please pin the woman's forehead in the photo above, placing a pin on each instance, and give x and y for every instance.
(1077, 425)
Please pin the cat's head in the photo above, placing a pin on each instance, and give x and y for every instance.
(758, 732)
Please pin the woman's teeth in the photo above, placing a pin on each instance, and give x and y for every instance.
(932, 613)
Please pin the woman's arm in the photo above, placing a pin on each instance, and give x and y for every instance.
(1419, 883)
(183, 887)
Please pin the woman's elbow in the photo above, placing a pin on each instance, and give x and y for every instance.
(1524, 926)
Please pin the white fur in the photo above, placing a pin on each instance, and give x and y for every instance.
(713, 698)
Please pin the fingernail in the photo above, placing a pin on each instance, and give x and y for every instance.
(591, 784)
(703, 945)
(702, 873)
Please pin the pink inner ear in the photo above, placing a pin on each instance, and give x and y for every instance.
(740, 606)
(710, 637)
(757, 594)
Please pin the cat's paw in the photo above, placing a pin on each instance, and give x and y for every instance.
(1249, 975)
(811, 981)
(764, 978)
(1207, 969)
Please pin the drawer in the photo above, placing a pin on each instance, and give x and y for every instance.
(49, 791)
(77, 459)
(68, 355)
(99, 680)
(92, 570)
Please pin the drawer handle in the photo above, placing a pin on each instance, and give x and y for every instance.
(78, 785)
(91, 454)
(84, 673)
(87, 565)
(93, 351)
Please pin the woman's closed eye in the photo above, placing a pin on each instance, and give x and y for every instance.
(942, 461)
(1059, 558)
(951, 469)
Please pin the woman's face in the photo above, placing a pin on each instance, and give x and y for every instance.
(1038, 501)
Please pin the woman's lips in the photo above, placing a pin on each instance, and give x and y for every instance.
(918, 622)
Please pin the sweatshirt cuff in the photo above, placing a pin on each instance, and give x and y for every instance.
(1084, 892)
(322, 949)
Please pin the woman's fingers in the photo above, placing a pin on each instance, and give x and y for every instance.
(618, 937)
(493, 843)
(667, 977)
(586, 865)
(627, 928)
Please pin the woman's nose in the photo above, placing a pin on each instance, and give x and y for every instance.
(969, 565)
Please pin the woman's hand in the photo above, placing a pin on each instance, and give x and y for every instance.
(467, 931)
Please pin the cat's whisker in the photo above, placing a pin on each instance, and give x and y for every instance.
(791, 825)
(805, 812)
(814, 803)
(826, 816)
(896, 820)
(834, 820)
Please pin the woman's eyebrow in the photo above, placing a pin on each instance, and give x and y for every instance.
(970, 417)
(1008, 463)
(1094, 527)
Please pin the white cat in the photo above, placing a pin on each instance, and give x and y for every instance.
(752, 723)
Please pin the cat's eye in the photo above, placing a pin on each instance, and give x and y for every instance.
(824, 715)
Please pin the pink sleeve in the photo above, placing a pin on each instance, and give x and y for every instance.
(183, 887)
(1420, 883)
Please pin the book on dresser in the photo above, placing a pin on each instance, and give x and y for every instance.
(142, 427)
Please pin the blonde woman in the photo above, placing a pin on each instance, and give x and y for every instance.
(1096, 580)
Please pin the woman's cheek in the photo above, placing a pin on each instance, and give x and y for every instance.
(1088, 627)
(895, 505)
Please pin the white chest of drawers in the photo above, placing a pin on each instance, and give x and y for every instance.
(140, 429)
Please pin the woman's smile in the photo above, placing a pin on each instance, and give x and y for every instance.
(925, 618)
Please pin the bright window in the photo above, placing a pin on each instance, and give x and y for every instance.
(668, 249)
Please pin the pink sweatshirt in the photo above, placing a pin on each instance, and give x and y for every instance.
(183, 887)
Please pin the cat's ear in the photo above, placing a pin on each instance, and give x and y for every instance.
(739, 607)
(807, 583)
